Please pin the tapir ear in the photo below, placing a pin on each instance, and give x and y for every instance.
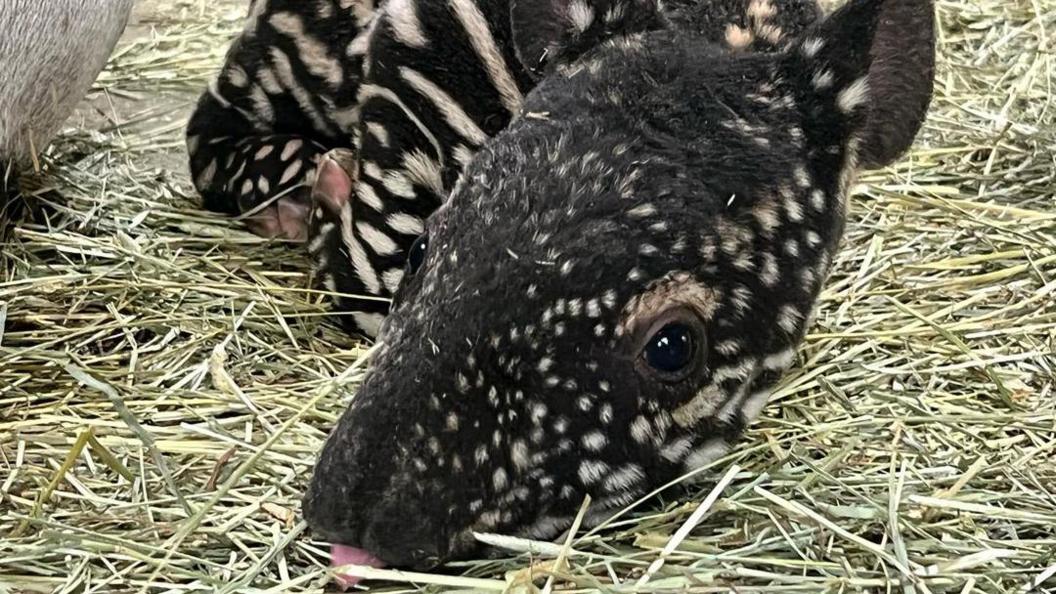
(549, 31)
(874, 62)
(334, 180)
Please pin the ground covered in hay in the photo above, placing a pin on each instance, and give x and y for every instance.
(166, 378)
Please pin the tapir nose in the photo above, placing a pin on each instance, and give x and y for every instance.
(393, 528)
(366, 493)
(402, 536)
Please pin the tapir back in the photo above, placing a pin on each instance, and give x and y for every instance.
(50, 53)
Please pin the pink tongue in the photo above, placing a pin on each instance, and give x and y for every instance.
(341, 555)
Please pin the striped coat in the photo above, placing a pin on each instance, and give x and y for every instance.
(412, 89)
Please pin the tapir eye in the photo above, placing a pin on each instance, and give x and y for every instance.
(672, 347)
(416, 257)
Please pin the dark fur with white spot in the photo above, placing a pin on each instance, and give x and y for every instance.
(658, 176)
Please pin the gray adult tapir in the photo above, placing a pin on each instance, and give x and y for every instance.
(51, 51)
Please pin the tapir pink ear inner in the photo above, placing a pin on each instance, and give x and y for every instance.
(337, 173)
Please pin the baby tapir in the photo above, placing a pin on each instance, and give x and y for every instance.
(618, 278)
(50, 53)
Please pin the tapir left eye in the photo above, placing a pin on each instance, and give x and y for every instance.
(416, 256)
(672, 349)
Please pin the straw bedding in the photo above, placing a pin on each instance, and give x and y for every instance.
(166, 379)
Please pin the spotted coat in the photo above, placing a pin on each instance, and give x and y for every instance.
(659, 186)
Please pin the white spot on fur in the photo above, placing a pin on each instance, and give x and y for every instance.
(676, 450)
(641, 211)
(706, 454)
(391, 278)
(537, 412)
(581, 15)
(702, 405)
(291, 149)
(291, 171)
(855, 95)
(499, 479)
(560, 425)
(591, 471)
(811, 47)
(205, 178)
(519, 455)
(623, 478)
(769, 272)
(320, 238)
(605, 413)
(641, 429)
(594, 441)
(788, 318)
(754, 404)
(370, 323)
(728, 347)
(793, 209)
(593, 309)
(741, 370)
(822, 79)
(802, 177)
(817, 200)
(263, 151)
(738, 37)
(779, 361)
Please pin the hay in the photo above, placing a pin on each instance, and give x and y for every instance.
(166, 379)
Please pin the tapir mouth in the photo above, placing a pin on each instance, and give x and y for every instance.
(342, 555)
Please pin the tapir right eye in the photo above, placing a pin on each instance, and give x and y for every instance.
(416, 257)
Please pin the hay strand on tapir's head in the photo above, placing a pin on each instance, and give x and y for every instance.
(166, 379)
